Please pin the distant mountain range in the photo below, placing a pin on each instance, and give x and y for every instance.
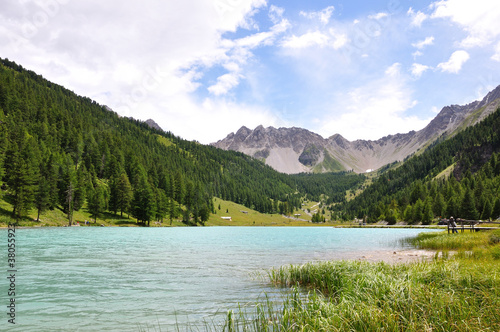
(296, 150)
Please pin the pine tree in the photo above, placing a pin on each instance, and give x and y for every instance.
(67, 186)
(487, 210)
(418, 211)
(173, 210)
(408, 213)
(22, 173)
(79, 200)
(317, 218)
(42, 198)
(468, 207)
(439, 205)
(123, 193)
(95, 202)
(427, 214)
(204, 213)
(496, 210)
(452, 207)
(161, 204)
(143, 204)
(3, 143)
(50, 173)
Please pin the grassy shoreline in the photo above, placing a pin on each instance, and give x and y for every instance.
(459, 292)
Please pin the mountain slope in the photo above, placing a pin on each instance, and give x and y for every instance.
(295, 150)
(458, 177)
(62, 151)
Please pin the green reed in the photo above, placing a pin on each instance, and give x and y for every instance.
(459, 292)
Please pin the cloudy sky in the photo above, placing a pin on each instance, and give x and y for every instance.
(204, 68)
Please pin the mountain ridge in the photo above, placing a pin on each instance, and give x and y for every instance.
(295, 150)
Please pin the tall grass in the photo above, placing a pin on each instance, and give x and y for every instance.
(450, 293)
(445, 241)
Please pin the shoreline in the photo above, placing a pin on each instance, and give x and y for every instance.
(398, 256)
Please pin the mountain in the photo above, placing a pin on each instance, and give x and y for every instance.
(152, 124)
(295, 150)
(457, 177)
(61, 151)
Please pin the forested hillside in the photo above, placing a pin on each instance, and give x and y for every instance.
(62, 151)
(459, 177)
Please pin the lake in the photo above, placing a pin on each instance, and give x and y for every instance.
(131, 279)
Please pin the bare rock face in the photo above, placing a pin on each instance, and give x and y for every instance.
(152, 124)
(310, 155)
(295, 150)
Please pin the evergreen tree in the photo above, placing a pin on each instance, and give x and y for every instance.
(408, 213)
(173, 210)
(495, 214)
(3, 143)
(50, 173)
(418, 211)
(427, 214)
(452, 207)
(22, 173)
(418, 192)
(487, 210)
(161, 204)
(391, 216)
(42, 197)
(123, 193)
(204, 213)
(468, 207)
(439, 205)
(95, 202)
(318, 218)
(79, 200)
(143, 204)
(67, 187)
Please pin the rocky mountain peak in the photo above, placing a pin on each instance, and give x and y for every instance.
(294, 150)
(152, 124)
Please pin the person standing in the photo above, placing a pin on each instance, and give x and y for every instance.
(453, 225)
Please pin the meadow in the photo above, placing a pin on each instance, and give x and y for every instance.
(240, 216)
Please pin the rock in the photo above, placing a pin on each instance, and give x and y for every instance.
(295, 150)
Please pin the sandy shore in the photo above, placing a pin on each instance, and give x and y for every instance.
(397, 256)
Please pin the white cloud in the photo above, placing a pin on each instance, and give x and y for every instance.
(224, 83)
(315, 38)
(331, 38)
(426, 42)
(394, 70)
(214, 118)
(375, 109)
(276, 13)
(378, 16)
(418, 69)
(496, 56)
(142, 59)
(455, 63)
(417, 54)
(417, 18)
(323, 16)
(236, 54)
(339, 40)
(480, 18)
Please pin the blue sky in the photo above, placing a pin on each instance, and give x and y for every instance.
(204, 68)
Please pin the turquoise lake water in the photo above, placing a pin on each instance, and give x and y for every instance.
(140, 279)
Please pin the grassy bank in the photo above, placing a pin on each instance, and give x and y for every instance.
(240, 216)
(459, 292)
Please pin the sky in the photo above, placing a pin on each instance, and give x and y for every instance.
(203, 68)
